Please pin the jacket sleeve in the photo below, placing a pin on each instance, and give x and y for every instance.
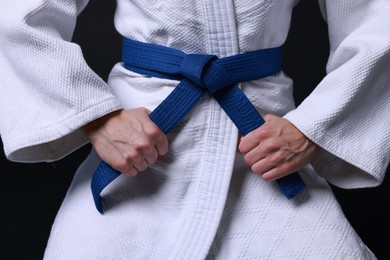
(47, 89)
(347, 114)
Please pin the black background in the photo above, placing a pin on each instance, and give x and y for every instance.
(31, 193)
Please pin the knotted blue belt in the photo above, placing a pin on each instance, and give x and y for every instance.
(199, 73)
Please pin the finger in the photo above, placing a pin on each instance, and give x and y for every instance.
(141, 165)
(130, 171)
(275, 173)
(157, 137)
(247, 144)
(252, 139)
(136, 159)
(274, 167)
(161, 143)
(146, 151)
(112, 155)
(262, 166)
(254, 156)
(151, 156)
(262, 150)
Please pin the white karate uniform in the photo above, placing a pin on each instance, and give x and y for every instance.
(200, 201)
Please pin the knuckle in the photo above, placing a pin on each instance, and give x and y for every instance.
(268, 146)
(271, 144)
(153, 131)
(278, 157)
(145, 145)
(131, 156)
(120, 164)
(261, 133)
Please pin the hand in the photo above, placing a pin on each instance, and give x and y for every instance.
(276, 149)
(128, 140)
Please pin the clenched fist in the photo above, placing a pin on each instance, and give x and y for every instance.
(276, 149)
(128, 140)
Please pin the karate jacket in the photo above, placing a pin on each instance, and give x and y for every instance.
(200, 201)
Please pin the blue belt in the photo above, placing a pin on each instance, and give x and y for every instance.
(200, 73)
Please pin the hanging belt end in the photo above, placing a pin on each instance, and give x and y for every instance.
(103, 175)
(291, 185)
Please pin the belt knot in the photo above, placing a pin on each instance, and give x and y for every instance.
(204, 71)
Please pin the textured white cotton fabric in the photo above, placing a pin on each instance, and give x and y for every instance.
(200, 201)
